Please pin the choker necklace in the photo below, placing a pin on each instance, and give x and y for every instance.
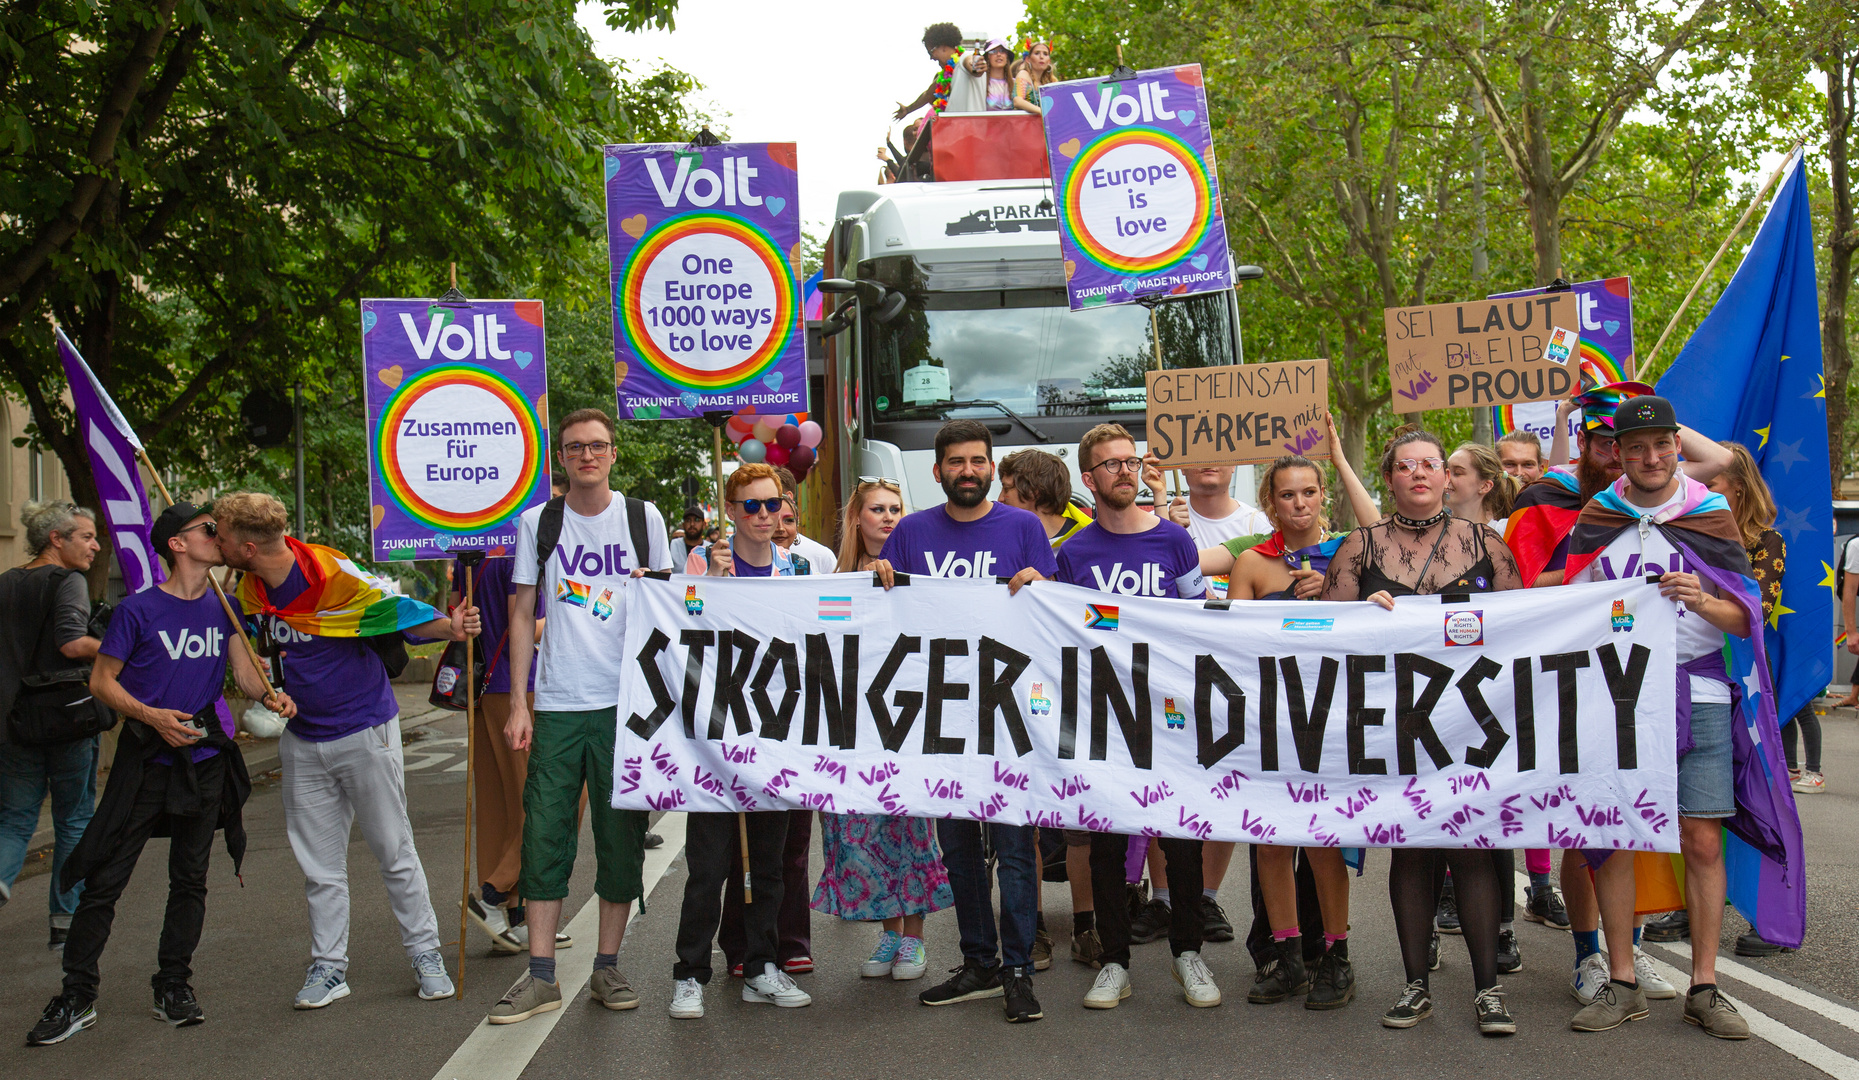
(1421, 526)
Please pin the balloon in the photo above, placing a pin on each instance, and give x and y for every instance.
(765, 429)
(788, 436)
(799, 460)
(736, 436)
(810, 433)
(752, 450)
(776, 456)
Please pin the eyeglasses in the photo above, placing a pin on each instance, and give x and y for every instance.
(1126, 465)
(592, 449)
(879, 480)
(209, 527)
(752, 507)
(1408, 466)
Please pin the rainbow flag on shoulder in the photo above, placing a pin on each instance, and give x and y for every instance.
(340, 600)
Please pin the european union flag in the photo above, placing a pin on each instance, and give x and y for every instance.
(1752, 373)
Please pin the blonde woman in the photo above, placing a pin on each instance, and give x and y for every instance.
(1477, 487)
(1035, 71)
(880, 868)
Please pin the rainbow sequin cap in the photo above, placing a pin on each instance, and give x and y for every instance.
(1599, 400)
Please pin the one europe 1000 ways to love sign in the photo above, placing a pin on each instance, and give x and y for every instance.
(458, 423)
(1135, 187)
(707, 313)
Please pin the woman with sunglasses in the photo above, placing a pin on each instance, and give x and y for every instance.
(1421, 549)
(880, 868)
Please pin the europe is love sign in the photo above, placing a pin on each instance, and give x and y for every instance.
(1481, 353)
(1540, 718)
(1135, 188)
(707, 313)
(458, 423)
(1239, 414)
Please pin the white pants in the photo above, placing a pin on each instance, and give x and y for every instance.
(327, 787)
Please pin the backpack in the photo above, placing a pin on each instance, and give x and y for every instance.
(53, 705)
(549, 532)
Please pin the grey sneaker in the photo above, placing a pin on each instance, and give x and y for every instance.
(1713, 1012)
(324, 984)
(1613, 1005)
(525, 998)
(610, 988)
(434, 982)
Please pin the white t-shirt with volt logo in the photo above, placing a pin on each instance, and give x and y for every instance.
(579, 663)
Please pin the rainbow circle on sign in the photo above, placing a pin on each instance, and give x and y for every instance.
(707, 301)
(1137, 200)
(460, 448)
(1612, 370)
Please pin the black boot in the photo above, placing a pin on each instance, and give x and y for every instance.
(1284, 977)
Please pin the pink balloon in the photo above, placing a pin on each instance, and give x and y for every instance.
(776, 456)
(810, 434)
(734, 435)
(752, 451)
(788, 436)
(799, 460)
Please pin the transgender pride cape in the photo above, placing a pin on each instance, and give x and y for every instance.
(1762, 847)
(1543, 514)
(341, 600)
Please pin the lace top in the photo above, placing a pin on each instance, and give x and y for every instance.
(1452, 556)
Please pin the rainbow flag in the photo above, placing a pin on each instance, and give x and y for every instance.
(573, 592)
(340, 599)
(1100, 617)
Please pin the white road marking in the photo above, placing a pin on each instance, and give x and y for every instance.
(502, 1052)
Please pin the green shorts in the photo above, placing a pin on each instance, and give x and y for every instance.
(570, 749)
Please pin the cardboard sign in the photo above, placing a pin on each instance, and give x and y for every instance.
(1239, 414)
(1479, 353)
(1604, 340)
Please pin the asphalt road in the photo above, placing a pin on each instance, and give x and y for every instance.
(1805, 1005)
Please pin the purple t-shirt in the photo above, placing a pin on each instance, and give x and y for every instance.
(174, 655)
(1001, 543)
(338, 683)
(1162, 561)
(491, 589)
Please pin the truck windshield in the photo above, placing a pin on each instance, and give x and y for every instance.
(1022, 348)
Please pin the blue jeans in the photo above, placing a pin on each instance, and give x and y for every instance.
(1018, 869)
(26, 773)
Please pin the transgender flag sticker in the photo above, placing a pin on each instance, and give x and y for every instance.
(836, 608)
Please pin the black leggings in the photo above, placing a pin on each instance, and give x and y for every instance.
(1807, 722)
(1414, 879)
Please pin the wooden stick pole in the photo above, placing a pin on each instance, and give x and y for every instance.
(716, 471)
(1775, 178)
(1155, 340)
(471, 734)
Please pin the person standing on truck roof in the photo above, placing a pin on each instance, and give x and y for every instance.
(955, 87)
(998, 56)
(1032, 72)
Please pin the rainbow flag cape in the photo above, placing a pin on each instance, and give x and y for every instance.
(1763, 850)
(1541, 517)
(341, 600)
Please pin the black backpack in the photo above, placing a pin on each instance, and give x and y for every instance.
(549, 532)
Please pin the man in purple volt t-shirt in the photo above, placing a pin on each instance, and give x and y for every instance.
(1130, 551)
(161, 665)
(973, 537)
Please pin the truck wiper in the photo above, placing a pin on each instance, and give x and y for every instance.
(975, 404)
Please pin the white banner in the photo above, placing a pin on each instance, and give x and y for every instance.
(1526, 719)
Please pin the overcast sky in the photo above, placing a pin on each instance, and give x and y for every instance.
(752, 59)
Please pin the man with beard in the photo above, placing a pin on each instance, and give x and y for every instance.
(1134, 552)
(973, 537)
(1538, 535)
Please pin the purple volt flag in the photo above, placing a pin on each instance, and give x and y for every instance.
(113, 449)
(1136, 190)
(707, 312)
(458, 423)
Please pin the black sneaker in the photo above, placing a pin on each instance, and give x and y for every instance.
(1493, 1017)
(57, 943)
(653, 840)
(1016, 985)
(1282, 977)
(1414, 1005)
(1752, 944)
(1152, 924)
(1333, 985)
(1509, 958)
(1433, 951)
(63, 1018)
(1671, 926)
(970, 982)
(176, 1006)
(1215, 926)
(1545, 906)
(1446, 919)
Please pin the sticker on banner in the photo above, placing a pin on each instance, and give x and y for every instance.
(1621, 618)
(693, 604)
(1465, 628)
(1100, 617)
(1562, 345)
(1177, 720)
(1308, 624)
(1037, 702)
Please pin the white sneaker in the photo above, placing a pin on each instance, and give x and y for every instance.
(1652, 984)
(1197, 983)
(1809, 783)
(435, 984)
(775, 987)
(884, 957)
(687, 1000)
(912, 960)
(1111, 987)
(1590, 975)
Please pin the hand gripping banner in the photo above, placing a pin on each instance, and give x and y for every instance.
(1542, 718)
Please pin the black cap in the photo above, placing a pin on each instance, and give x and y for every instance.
(693, 511)
(1644, 413)
(169, 525)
